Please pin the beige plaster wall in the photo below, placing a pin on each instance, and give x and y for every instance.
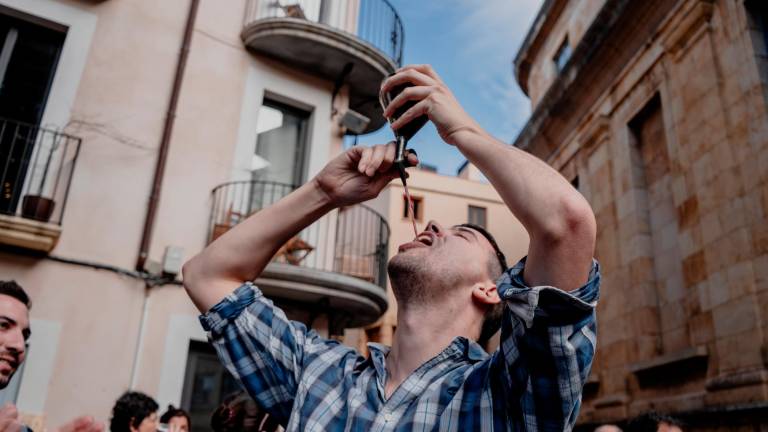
(119, 109)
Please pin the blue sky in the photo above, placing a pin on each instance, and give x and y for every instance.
(471, 44)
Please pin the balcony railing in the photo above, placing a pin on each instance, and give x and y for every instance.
(374, 21)
(353, 241)
(36, 166)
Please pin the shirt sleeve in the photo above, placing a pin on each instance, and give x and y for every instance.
(548, 340)
(261, 348)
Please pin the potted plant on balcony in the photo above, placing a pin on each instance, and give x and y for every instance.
(36, 206)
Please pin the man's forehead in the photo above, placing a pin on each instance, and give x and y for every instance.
(14, 309)
(479, 236)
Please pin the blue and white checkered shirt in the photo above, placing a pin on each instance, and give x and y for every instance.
(532, 383)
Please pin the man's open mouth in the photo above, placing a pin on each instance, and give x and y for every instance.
(424, 239)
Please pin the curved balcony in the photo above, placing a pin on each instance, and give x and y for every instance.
(353, 42)
(36, 168)
(339, 262)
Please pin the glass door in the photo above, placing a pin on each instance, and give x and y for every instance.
(29, 54)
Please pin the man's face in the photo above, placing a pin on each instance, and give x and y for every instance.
(456, 256)
(14, 332)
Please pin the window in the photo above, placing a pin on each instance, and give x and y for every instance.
(477, 216)
(206, 385)
(29, 54)
(281, 143)
(418, 206)
(562, 55)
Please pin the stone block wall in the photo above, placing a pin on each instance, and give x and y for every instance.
(674, 161)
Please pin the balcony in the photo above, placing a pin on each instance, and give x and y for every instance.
(337, 264)
(36, 166)
(354, 42)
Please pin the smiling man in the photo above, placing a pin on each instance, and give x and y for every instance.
(14, 337)
(449, 284)
(14, 329)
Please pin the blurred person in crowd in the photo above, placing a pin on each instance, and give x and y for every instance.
(239, 413)
(175, 420)
(655, 422)
(134, 412)
(608, 428)
(14, 340)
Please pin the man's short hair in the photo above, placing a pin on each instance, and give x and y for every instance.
(497, 264)
(12, 289)
(130, 410)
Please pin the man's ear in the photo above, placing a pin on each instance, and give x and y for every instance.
(486, 293)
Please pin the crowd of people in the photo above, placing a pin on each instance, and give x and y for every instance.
(452, 285)
(132, 412)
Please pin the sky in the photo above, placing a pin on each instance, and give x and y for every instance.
(471, 44)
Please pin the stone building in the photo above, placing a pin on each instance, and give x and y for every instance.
(656, 111)
(132, 133)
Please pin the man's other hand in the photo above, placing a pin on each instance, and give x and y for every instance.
(433, 99)
(359, 174)
(9, 419)
(81, 424)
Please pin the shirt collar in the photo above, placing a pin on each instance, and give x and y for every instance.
(469, 349)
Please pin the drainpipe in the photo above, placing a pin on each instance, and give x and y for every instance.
(154, 197)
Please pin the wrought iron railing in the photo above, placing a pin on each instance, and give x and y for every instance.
(353, 240)
(36, 167)
(374, 21)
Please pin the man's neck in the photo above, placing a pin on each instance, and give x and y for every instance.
(423, 331)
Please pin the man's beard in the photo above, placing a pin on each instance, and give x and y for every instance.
(4, 380)
(409, 277)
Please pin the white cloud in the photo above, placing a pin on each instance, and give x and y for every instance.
(491, 33)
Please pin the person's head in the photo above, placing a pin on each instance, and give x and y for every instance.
(655, 422)
(608, 428)
(462, 261)
(176, 418)
(239, 413)
(134, 412)
(14, 329)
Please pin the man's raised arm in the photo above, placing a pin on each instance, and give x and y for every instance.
(558, 219)
(241, 254)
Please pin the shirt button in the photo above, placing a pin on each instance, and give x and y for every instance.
(387, 417)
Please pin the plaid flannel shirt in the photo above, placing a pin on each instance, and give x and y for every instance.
(532, 383)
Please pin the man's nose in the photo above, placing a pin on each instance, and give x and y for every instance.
(435, 228)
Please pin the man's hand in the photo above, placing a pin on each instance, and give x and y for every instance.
(81, 424)
(9, 419)
(359, 174)
(434, 99)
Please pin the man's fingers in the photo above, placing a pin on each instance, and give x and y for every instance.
(411, 93)
(365, 159)
(413, 158)
(390, 151)
(410, 76)
(426, 69)
(415, 111)
(376, 159)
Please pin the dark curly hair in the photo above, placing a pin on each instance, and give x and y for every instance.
(12, 289)
(130, 410)
(172, 412)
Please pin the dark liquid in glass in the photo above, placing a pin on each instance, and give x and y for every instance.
(413, 126)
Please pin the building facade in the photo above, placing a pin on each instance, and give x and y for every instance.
(133, 134)
(656, 111)
(449, 200)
